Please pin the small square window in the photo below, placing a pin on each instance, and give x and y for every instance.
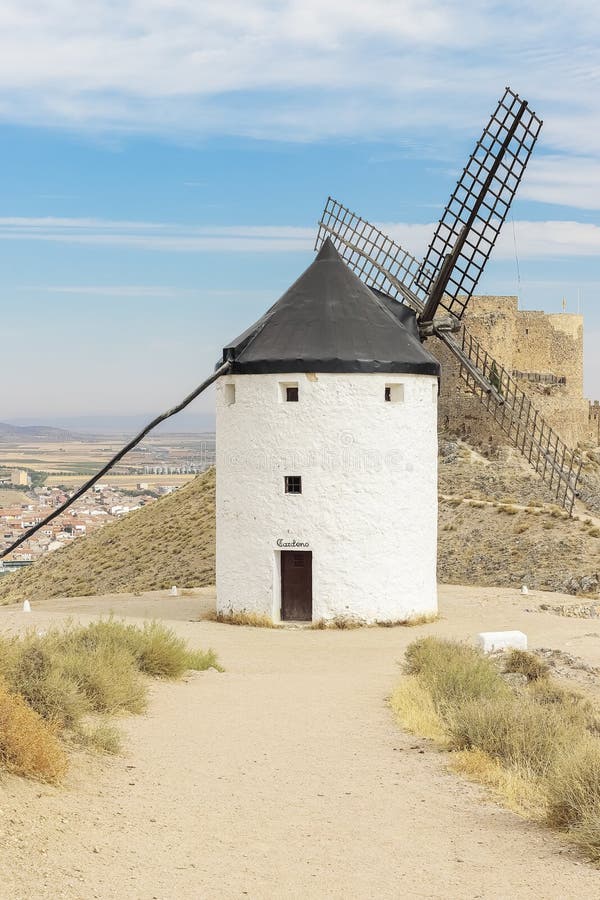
(293, 484)
(288, 392)
(394, 393)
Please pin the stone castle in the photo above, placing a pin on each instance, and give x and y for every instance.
(543, 352)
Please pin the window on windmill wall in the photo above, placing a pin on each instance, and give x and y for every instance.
(293, 484)
(394, 393)
(289, 392)
(229, 394)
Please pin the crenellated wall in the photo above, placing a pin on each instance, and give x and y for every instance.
(544, 352)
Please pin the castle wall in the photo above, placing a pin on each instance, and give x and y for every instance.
(544, 353)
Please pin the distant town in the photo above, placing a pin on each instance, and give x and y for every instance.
(38, 477)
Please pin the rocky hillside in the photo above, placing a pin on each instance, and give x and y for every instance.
(498, 525)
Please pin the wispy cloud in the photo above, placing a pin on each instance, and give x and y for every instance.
(158, 236)
(300, 69)
(134, 291)
(535, 240)
(564, 180)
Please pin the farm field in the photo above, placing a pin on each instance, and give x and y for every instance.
(71, 462)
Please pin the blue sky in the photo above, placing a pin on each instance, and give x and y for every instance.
(165, 163)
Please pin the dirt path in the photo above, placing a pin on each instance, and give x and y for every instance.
(285, 777)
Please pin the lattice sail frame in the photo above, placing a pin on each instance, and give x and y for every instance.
(376, 258)
(382, 263)
(476, 211)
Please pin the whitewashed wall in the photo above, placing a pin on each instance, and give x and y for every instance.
(368, 508)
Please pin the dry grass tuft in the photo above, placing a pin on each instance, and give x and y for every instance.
(536, 747)
(253, 620)
(67, 674)
(517, 790)
(574, 788)
(415, 710)
(517, 731)
(453, 673)
(28, 745)
(102, 738)
(526, 663)
(409, 622)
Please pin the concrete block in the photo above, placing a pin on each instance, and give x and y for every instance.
(489, 641)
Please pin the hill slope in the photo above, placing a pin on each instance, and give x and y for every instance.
(168, 542)
(497, 526)
(35, 432)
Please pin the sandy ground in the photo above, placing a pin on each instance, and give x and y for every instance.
(284, 777)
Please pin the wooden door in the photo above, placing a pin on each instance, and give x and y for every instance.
(296, 585)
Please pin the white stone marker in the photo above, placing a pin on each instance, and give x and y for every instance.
(174, 591)
(524, 589)
(26, 606)
(490, 641)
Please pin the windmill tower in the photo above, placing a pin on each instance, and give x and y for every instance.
(327, 457)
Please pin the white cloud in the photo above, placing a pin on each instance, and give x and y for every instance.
(535, 240)
(300, 69)
(158, 236)
(569, 181)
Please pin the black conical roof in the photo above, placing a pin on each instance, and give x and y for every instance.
(330, 321)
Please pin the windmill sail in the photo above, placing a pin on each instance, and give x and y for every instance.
(381, 263)
(376, 258)
(466, 233)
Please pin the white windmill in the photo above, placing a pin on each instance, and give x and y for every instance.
(326, 415)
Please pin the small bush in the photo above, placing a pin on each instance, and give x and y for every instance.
(414, 707)
(526, 663)
(516, 730)
(64, 675)
(586, 835)
(47, 689)
(108, 677)
(28, 746)
(574, 786)
(200, 660)
(103, 738)
(574, 708)
(594, 532)
(454, 673)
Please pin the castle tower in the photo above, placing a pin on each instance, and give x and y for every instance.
(327, 457)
